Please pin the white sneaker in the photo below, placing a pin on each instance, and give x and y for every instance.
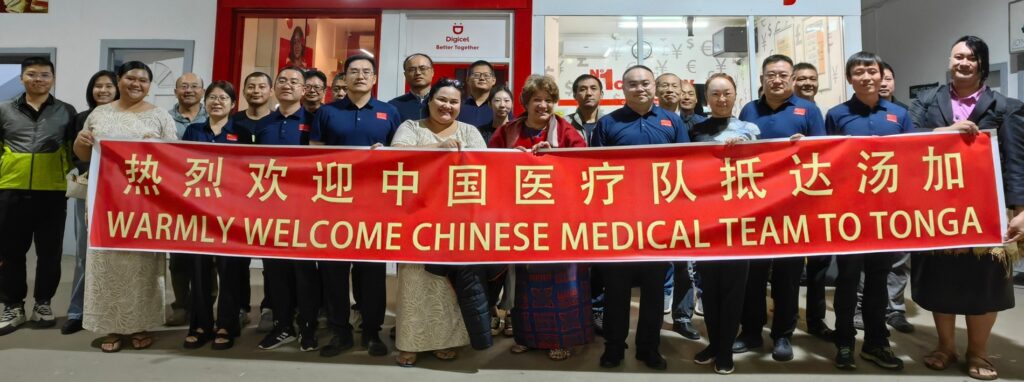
(42, 315)
(11, 319)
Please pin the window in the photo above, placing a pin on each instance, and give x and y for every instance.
(10, 68)
(168, 59)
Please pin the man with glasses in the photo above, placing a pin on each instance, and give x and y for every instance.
(292, 283)
(779, 114)
(419, 74)
(189, 91)
(36, 130)
(316, 89)
(476, 110)
(357, 120)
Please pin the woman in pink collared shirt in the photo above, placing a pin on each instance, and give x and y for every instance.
(974, 282)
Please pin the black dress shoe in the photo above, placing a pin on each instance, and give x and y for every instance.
(686, 330)
(375, 346)
(612, 357)
(782, 351)
(653, 360)
(744, 344)
(821, 331)
(900, 323)
(71, 326)
(339, 343)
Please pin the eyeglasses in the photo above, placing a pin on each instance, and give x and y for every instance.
(40, 76)
(315, 88)
(481, 76)
(292, 82)
(190, 86)
(780, 75)
(418, 69)
(365, 73)
(222, 99)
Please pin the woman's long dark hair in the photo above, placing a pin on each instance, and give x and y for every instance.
(92, 82)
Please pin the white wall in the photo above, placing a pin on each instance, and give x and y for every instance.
(915, 36)
(75, 28)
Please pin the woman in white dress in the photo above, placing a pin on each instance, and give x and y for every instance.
(124, 290)
(428, 317)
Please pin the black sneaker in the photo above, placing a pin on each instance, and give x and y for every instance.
(71, 326)
(307, 339)
(844, 359)
(612, 356)
(745, 343)
(900, 323)
(782, 351)
(704, 357)
(686, 330)
(276, 338)
(724, 366)
(374, 346)
(820, 330)
(652, 359)
(340, 342)
(883, 357)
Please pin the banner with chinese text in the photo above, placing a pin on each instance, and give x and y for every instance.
(694, 201)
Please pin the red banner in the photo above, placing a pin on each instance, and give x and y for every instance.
(694, 201)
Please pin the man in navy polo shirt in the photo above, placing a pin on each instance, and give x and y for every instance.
(356, 120)
(419, 74)
(476, 110)
(865, 114)
(292, 283)
(779, 114)
(640, 122)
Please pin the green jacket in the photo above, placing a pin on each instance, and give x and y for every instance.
(36, 145)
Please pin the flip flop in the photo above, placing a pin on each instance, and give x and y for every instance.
(559, 354)
(406, 359)
(111, 344)
(939, 360)
(141, 340)
(445, 354)
(976, 364)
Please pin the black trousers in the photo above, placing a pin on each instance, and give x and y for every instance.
(817, 267)
(370, 289)
(724, 284)
(231, 298)
(27, 216)
(876, 298)
(618, 283)
(596, 288)
(785, 278)
(293, 284)
(181, 267)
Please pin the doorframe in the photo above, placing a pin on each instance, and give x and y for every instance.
(107, 48)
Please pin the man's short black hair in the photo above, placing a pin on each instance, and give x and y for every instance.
(886, 66)
(804, 66)
(313, 73)
(863, 58)
(351, 59)
(38, 61)
(777, 58)
(634, 67)
(584, 77)
(409, 57)
(479, 63)
(255, 75)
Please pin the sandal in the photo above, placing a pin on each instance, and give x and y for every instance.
(194, 340)
(406, 359)
(141, 340)
(111, 343)
(939, 360)
(559, 354)
(223, 340)
(976, 365)
(519, 349)
(497, 325)
(445, 354)
(508, 326)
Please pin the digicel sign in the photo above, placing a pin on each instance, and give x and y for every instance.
(459, 38)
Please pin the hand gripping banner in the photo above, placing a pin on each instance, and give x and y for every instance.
(818, 196)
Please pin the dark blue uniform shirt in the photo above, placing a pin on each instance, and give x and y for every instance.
(276, 129)
(201, 132)
(795, 115)
(855, 118)
(693, 119)
(476, 115)
(342, 123)
(410, 106)
(624, 127)
(244, 125)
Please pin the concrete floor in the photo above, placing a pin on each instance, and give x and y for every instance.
(45, 355)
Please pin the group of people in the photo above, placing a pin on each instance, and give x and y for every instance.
(551, 307)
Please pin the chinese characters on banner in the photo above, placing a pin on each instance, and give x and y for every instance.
(771, 198)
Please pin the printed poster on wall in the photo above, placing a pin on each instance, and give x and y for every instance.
(25, 6)
(294, 40)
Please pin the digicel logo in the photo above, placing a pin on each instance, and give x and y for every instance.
(457, 28)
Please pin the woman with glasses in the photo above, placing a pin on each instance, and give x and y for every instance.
(102, 89)
(552, 301)
(428, 316)
(124, 290)
(723, 281)
(219, 128)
